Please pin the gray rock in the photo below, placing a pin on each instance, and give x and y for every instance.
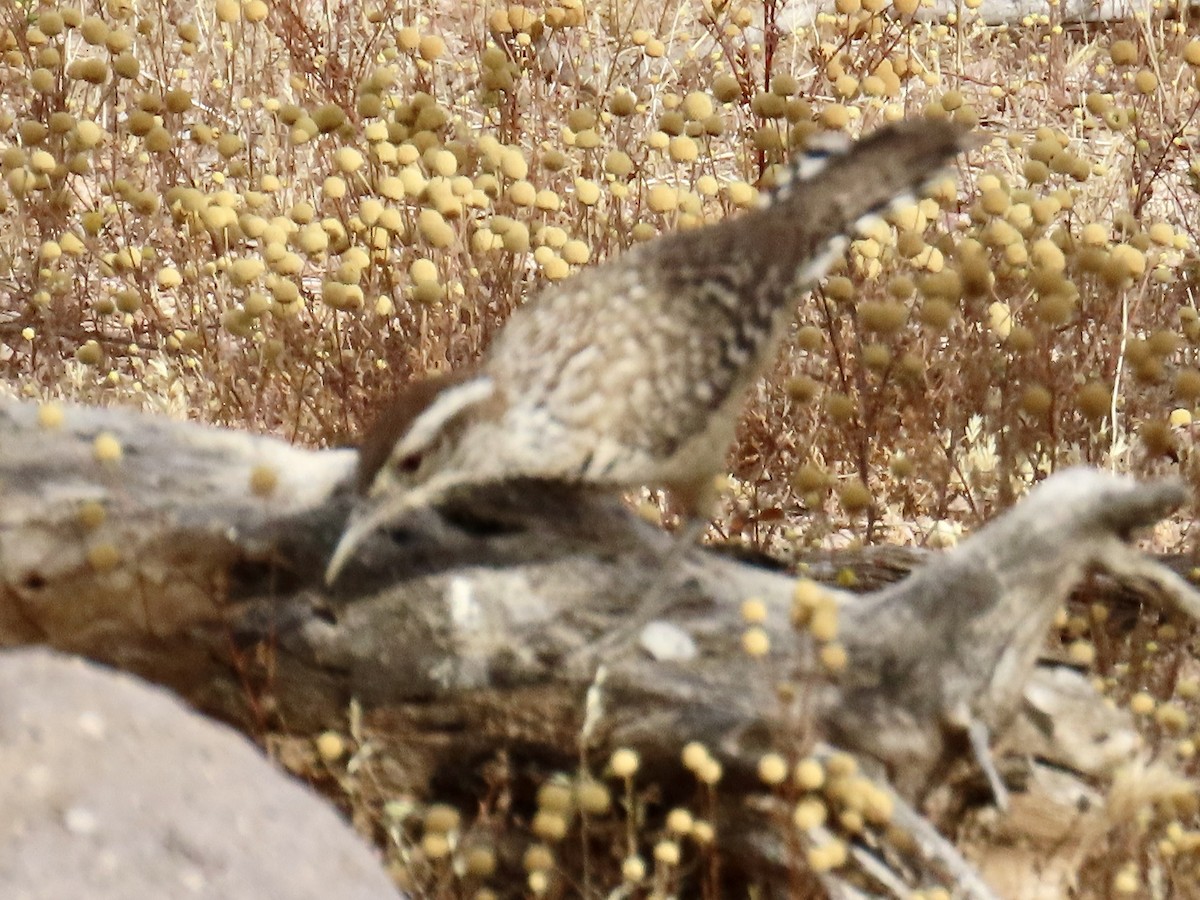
(112, 788)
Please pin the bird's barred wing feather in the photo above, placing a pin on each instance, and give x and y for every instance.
(648, 346)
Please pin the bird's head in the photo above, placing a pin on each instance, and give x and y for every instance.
(404, 452)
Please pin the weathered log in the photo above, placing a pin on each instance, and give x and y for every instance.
(495, 624)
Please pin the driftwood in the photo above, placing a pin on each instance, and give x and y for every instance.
(499, 626)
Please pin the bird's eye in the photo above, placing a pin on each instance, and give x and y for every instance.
(408, 465)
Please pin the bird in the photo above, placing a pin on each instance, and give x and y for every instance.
(633, 372)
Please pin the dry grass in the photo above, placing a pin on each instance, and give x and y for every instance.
(268, 215)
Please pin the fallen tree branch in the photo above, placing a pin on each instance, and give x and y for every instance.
(195, 560)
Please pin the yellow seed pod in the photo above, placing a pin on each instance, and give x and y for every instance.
(263, 479)
(683, 149)
(435, 230)
(331, 746)
(555, 268)
(522, 193)
(624, 763)
(854, 497)
(348, 159)
(442, 818)
(243, 271)
(845, 86)
(431, 47)
(71, 244)
(547, 201)
(994, 201)
(823, 618)
(516, 238)
(1094, 400)
(286, 293)
(1094, 235)
(1191, 52)
(1036, 400)
(158, 140)
(576, 252)
(827, 856)
(386, 153)
(618, 164)
(228, 11)
(342, 296)
(1142, 703)
(257, 303)
(937, 313)
(312, 239)
(1146, 81)
(513, 164)
(391, 187)
(91, 515)
(303, 131)
(1162, 234)
(42, 162)
(552, 236)
(329, 117)
(94, 30)
(92, 70)
(443, 163)
(87, 134)
(697, 106)
(21, 183)
(140, 122)
(1128, 258)
(255, 10)
(126, 65)
(1048, 256)
(412, 180)
(333, 187)
(588, 139)
(370, 210)
(1000, 320)
(408, 38)
(741, 194)
(587, 192)
(42, 80)
(50, 22)
(1123, 53)
(106, 448)
(128, 300)
(103, 556)
(809, 814)
(391, 221)
(662, 198)
(834, 117)
(882, 316)
(423, 271)
(834, 657)
(302, 212)
(218, 218)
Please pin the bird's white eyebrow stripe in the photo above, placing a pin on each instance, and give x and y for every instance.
(449, 404)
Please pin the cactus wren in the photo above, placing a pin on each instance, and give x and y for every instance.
(634, 372)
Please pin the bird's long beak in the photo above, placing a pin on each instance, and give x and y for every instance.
(374, 513)
(359, 526)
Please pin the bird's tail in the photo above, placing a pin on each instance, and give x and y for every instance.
(888, 167)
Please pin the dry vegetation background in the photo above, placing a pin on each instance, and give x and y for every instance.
(268, 215)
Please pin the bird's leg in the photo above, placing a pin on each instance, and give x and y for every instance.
(979, 740)
(661, 593)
